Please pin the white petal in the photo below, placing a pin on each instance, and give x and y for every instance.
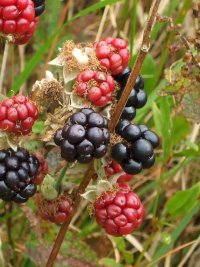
(80, 56)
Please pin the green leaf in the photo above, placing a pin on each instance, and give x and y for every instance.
(120, 243)
(148, 72)
(183, 201)
(181, 129)
(157, 118)
(128, 256)
(109, 262)
(164, 124)
(27, 262)
(38, 127)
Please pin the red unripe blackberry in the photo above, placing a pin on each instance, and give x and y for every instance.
(42, 171)
(17, 171)
(18, 114)
(113, 168)
(113, 54)
(25, 38)
(17, 18)
(57, 210)
(119, 212)
(96, 86)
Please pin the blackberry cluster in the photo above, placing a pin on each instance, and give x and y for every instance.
(136, 152)
(137, 98)
(18, 114)
(84, 137)
(57, 210)
(39, 7)
(17, 19)
(17, 171)
(112, 54)
(96, 86)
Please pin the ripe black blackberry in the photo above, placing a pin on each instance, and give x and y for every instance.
(85, 136)
(39, 7)
(136, 152)
(17, 170)
(137, 98)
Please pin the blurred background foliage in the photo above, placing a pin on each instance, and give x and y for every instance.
(169, 236)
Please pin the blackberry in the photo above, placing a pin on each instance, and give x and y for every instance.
(39, 7)
(122, 77)
(17, 172)
(141, 99)
(142, 150)
(136, 152)
(132, 166)
(128, 113)
(137, 98)
(85, 136)
(151, 137)
(120, 152)
(131, 132)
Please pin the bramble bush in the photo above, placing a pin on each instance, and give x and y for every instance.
(99, 133)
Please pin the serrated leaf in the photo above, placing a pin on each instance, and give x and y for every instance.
(78, 102)
(103, 186)
(181, 202)
(69, 76)
(89, 195)
(113, 179)
(56, 62)
(99, 168)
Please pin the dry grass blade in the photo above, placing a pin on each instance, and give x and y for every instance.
(171, 252)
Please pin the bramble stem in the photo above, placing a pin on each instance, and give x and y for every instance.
(60, 178)
(3, 66)
(64, 227)
(90, 174)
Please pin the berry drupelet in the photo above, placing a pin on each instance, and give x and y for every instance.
(96, 86)
(137, 98)
(17, 19)
(119, 212)
(18, 114)
(113, 54)
(57, 210)
(84, 137)
(17, 171)
(136, 152)
(39, 7)
(114, 168)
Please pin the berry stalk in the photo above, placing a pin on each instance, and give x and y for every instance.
(144, 49)
(77, 197)
(116, 116)
(60, 178)
(3, 65)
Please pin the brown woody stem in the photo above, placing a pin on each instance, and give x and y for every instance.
(116, 116)
(3, 66)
